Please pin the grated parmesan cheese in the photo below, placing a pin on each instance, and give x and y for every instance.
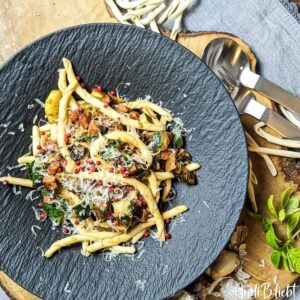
(21, 127)
(33, 227)
(38, 101)
(67, 288)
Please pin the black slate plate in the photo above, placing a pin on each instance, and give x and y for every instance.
(154, 65)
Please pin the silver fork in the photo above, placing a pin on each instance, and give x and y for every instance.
(246, 103)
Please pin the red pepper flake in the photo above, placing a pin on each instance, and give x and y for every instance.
(98, 162)
(146, 233)
(90, 161)
(42, 133)
(111, 170)
(171, 194)
(77, 222)
(40, 204)
(125, 191)
(42, 151)
(119, 162)
(111, 217)
(78, 162)
(77, 170)
(67, 140)
(98, 88)
(4, 182)
(83, 85)
(100, 183)
(116, 199)
(66, 230)
(123, 169)
(112, 93)
(43, 216)
(59, 170)
(168, 221)
(93, 169)
(39, 147)
(105, 105)
(80, 109)
(117, 223)
(68, 135)
(78, 78)
(131, 188)
(125, 174)
(167, 235)
(111, 188)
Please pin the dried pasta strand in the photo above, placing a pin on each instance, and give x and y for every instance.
(278, 152)
(266, 158)
(273, 139)
(117, 13)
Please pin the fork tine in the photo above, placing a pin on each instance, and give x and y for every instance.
(224, 79)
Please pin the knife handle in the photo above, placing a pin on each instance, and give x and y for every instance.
(278, 94)
(270, 90)
(272, 119)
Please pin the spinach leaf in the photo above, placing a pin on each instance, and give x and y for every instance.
(178, 140)
(35, 174)
(82, 211)
(53, 213)
(86, 138)
(157, 141)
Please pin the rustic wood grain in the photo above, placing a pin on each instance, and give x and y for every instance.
(21, 22)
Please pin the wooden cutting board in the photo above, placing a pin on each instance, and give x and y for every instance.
(24, 21)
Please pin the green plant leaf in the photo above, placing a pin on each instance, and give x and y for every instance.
(284, 261)
(267, 223)
(271, 207)
(294, 258)
(286, 195)
(292, 205)
(281, 215)
(272, 238)
(292, 222)
(276, 257)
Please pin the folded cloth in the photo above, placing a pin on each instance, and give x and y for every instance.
(270, 27)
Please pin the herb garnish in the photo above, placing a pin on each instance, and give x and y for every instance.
(288, 214)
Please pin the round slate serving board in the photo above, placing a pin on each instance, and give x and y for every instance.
(153, 65)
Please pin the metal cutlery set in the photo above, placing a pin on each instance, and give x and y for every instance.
(231, 64)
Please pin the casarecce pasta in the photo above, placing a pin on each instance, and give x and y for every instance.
(104, 166)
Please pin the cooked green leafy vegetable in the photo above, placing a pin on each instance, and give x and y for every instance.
(86, 137)
(82, 211)
(178, 140)
(35, 173)
(157, 141)
(55, 214)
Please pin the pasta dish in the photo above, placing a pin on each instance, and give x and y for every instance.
(104, 166)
